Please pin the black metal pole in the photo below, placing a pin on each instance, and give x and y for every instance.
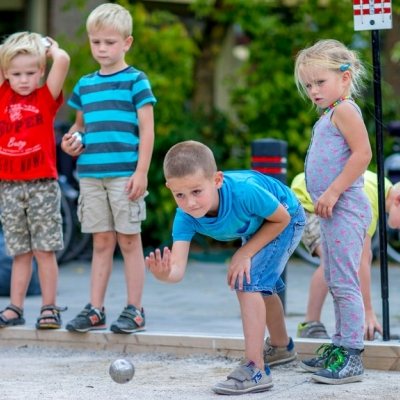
(381, 184)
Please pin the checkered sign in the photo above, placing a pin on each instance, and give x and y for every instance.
(372, 14)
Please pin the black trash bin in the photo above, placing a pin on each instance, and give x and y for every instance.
(269, 156)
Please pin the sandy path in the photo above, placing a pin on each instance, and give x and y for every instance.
(45, 374)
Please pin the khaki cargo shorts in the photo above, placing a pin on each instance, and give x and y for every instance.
(311, 238)
(31, 216)
(104, 206)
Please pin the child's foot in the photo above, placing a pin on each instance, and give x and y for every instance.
(89, 319)
(50, 317)
(131, 320)
(274, 355)
(344, 366)
(312, 330)
(11, 316)
(320, 361)
(246, 378)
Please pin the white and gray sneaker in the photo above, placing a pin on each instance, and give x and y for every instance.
(246, 378)
(274, 355)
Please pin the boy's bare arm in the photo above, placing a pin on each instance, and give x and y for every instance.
(146, 132)
(137, 184)
(272, 227)
(169, 265)
(59, 68)
(239, 266)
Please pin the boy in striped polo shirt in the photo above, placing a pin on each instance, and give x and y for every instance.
(114, 113)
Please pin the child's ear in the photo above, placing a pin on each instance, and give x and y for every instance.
(346, 76)
(128, 42)
(218, 179)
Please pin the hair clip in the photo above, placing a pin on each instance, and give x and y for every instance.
(344, 67)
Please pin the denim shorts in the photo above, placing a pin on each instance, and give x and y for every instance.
(268, 264)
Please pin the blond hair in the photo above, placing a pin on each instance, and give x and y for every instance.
(332, 55)
(110, 16)
(188, 158)
(22, 43)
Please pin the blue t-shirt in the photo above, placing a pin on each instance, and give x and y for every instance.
(246, 199)
(109, 104)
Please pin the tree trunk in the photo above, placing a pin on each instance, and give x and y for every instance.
(210, 47)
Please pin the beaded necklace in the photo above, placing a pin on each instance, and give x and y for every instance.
(334, 104)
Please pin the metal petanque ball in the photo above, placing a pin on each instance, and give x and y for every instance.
(122, 370)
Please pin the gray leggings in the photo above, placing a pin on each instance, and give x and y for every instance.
(342, 243)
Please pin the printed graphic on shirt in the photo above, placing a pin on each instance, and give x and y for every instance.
(27, 143)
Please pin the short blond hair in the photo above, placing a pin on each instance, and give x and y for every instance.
(188, 158)
(22, 43)
(332, 55)
(110, 16)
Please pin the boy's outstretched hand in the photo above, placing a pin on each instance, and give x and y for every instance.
(159, 264)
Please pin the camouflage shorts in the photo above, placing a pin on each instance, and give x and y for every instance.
(30, 215)
(311, 235)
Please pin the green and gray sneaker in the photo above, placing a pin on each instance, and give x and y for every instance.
(320, 362)
(246, 378)
(312, 330)
(344, 366)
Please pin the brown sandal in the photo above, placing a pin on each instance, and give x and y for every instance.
(50, 321)
(18, 320)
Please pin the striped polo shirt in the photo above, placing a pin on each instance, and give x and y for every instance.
(109, 104)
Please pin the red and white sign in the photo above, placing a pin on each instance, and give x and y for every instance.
(372, 14)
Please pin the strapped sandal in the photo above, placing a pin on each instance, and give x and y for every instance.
(18, 320)
(50, 321)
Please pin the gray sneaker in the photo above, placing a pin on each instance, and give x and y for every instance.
(320, 361)
(274, 355)
(344, 366)
(312, 330)
(131, 320)
(246, 378)
(89, 319)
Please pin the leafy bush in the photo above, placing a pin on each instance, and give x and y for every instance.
(263, 94)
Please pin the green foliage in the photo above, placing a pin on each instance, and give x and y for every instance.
(264, 97)
(266, 100)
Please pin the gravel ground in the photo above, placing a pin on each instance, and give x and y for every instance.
(37, 373)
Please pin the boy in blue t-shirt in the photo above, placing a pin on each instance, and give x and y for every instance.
(268, 218)
(114, 111)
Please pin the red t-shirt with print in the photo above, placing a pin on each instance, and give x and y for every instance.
(27, 140)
